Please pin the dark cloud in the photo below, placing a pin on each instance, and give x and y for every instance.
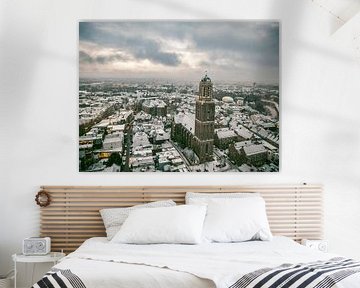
(231, 47)
(256, 42)
(117, 36)
(85, 58)
(101, 59)
(152, 51)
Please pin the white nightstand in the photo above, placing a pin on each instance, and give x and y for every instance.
(53, 257)
(320, 245)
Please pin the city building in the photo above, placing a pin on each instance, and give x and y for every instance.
(246, 152)
(183, 129)
(154, 107)
(204, 121)
(161, 136)
(114, 142)
(243, 133)
(223, 137)
(197, 131)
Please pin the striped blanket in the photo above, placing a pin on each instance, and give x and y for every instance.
(319, 274)
(59, 278)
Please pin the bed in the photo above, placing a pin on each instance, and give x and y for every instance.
(294, 211)
(99, 263)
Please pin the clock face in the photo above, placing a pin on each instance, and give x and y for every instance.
(40, 245)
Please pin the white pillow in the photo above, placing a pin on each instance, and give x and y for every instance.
(204, 198)
(236, 220)
(113, 218)
(180, 224)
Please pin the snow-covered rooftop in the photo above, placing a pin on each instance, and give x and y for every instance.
(225, 133)
(187, 120)
(254, 149)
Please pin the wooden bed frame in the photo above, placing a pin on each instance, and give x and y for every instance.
(73, 215)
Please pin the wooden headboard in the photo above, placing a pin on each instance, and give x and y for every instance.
(73, 215)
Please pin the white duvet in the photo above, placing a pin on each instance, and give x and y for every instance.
(100, 263)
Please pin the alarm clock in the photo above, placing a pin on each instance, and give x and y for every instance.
(36, 246)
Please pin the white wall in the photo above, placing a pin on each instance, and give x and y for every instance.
(39, 104)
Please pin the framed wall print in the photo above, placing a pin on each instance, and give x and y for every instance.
(179, 96)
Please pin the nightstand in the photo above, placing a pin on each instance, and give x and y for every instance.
(53, 257)
(320, 245)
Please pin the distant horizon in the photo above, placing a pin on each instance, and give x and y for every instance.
(231, 51)
(173, 80)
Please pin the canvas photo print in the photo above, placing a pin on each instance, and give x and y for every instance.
(179, 96)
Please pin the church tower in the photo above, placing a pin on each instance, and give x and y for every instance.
(204, 121)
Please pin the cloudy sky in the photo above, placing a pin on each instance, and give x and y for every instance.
(229, 50)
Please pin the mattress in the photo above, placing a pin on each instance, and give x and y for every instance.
(99, 263)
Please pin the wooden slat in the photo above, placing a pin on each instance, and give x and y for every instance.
(73, 216)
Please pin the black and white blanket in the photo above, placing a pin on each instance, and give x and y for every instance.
(319, 274)
(59, 278)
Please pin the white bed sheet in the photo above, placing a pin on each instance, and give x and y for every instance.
(101, 274)
(100, 263)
